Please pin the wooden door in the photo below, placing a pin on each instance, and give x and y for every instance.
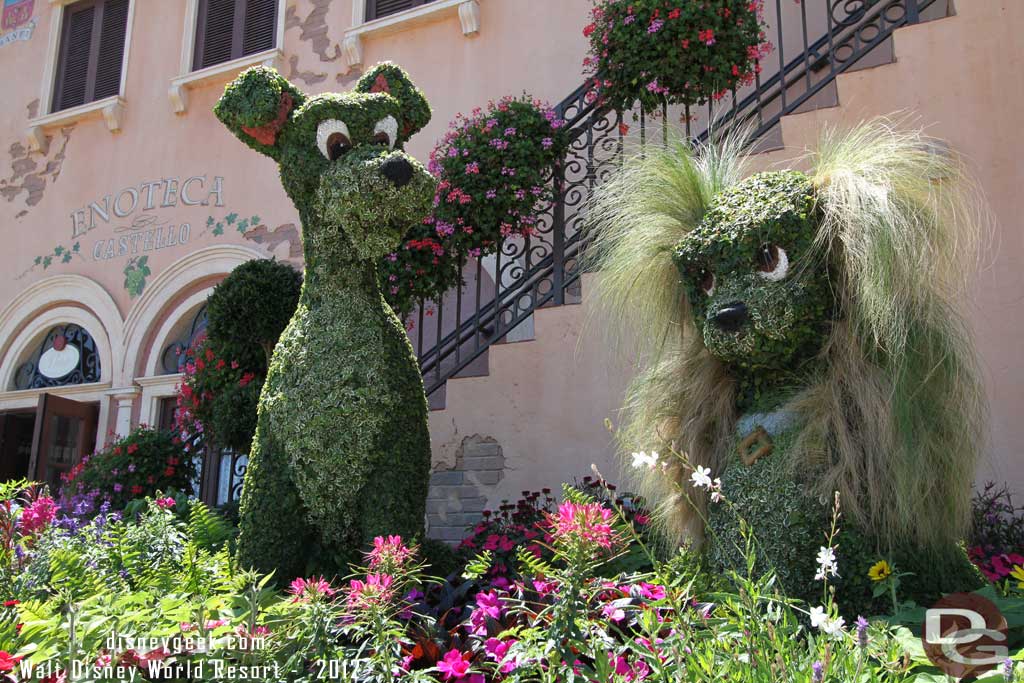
(65, 431)
(16, 431)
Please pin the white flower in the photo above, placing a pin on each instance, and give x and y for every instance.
(716, 491)
(821, 621)
(834, 627)
(641, 459)
(827, 564)
(701, 477)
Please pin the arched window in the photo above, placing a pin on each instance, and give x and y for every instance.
(173, 358)
(66, 356)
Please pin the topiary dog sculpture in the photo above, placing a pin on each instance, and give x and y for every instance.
(805, 338)
(342, 451)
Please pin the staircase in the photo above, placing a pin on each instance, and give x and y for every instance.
(503, 291)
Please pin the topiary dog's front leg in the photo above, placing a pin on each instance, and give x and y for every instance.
(272, 537)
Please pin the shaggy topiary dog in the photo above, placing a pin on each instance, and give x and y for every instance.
(341, 452)
(803, 338)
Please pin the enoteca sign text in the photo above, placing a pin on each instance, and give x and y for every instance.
(136, 214)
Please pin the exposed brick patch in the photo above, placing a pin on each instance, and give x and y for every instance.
(307, 77)
(458, 496)
(314, 29)
(349, 77)
(32, 172)
(269, 239)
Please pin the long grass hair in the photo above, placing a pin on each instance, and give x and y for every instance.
(896, 420)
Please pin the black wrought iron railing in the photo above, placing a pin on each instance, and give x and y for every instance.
(501, 292)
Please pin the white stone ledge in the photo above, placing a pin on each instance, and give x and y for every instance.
(178, 92)
(468, 12)
(111, 109)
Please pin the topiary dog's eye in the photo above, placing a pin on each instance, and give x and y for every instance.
(706, 281)
(772, 262)
(386, 132)
(333, 139)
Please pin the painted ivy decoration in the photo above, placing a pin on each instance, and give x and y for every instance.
(672, 52)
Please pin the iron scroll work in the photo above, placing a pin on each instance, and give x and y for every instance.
(79, 361)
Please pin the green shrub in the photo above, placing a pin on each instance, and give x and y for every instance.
(251, 307)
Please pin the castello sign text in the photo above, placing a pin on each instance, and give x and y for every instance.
(137, 215)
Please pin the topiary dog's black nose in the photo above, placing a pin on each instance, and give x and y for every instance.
(732, 316)
(397, 170)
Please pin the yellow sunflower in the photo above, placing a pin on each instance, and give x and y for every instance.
(1018, 574)
(880, 571)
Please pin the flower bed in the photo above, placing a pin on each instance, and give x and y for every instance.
(168, 574)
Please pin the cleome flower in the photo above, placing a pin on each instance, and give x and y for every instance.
(587, 522)
(305, 590)
(376, 590)
(389, 554)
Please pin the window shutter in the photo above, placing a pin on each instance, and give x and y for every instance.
(375, 9)
(113, 27)
(93, 34)
(73, 72)
(215, 32)
(260, 26)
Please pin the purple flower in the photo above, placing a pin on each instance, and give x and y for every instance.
(509, 132)
(817, 672)
(862, 632)
(491, 194)
(655, 26)
(547, 143)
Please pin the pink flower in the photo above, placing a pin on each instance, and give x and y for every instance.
(165, 503)
(488, 605)
(389, 552)
(498, 651)
(455, 664)
(37, 515)
(652, 591)
(614, 614)
(588, 522)
(307, 589)
(376, 590)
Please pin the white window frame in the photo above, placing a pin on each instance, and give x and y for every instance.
(187, 78)
(352, 45)
(111, 109)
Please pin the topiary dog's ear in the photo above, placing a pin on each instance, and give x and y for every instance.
(257, 106)
(391, 79)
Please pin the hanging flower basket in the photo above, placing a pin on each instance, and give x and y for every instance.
(494, 170)
(672, 51)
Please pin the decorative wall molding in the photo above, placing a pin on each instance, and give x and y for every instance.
(154, 389)
(184, 311)
(110, 109)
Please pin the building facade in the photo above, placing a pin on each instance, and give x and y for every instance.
(124, 202)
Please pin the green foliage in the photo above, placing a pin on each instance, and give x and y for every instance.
(249, 309)
(224, 371)
(135, 466)
(341, 452)
(670, 51)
